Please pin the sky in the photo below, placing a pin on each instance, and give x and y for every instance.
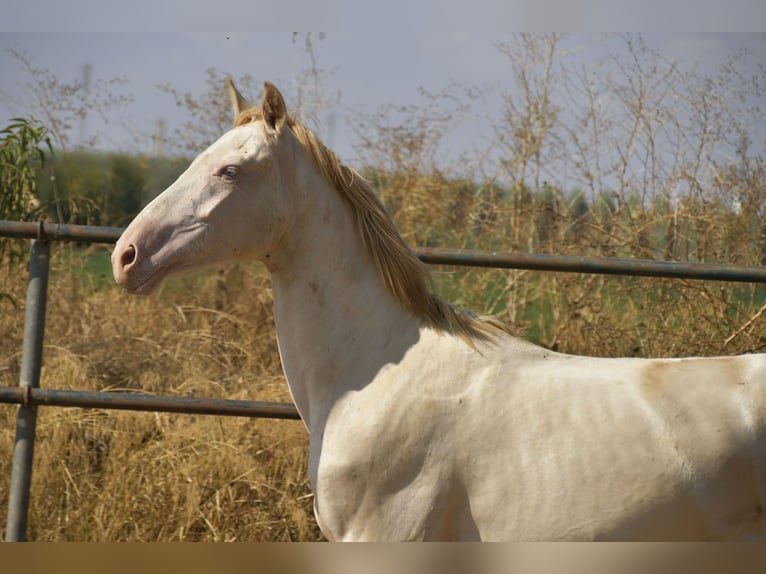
(373, 53)
(390, 18)
(367, 68)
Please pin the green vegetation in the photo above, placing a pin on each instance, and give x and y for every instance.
(432, 210)
(104, 189)
(23, 147)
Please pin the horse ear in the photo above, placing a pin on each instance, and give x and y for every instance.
(273, 105)
(238, 103)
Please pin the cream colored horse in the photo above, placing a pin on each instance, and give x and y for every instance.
(427, 422)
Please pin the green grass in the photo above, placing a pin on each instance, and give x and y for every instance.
(89, 265)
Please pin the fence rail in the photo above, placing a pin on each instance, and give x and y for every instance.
(29, 396)
(458, 257)
(145, 402)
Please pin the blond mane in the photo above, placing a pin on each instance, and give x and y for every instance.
(406, 276)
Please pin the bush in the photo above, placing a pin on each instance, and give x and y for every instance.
(23, 145)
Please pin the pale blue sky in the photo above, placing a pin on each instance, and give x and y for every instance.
(390, 17)
(369, 67)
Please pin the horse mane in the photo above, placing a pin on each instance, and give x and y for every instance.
(406, 276)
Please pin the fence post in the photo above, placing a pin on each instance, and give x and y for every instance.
(31, 362)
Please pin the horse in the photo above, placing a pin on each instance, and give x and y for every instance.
(427, 421)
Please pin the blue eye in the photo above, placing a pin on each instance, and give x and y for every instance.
(229, 172)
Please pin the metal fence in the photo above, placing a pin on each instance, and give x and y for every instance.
(28, 395)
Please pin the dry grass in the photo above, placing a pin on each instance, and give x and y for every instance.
(104, 475)
(590, 314)
(107, 475)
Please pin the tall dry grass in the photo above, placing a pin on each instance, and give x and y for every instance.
(590, 314)
(104, 475)
(632, 155)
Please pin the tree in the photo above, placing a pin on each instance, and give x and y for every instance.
(23, 147)
(211, 113)
(126, 182)
(62, 105)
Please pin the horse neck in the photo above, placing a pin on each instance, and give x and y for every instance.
(337, 323)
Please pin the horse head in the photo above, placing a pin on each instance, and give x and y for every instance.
(231, 202)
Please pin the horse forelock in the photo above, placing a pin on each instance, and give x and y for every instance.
(248, 116)
(408, 278)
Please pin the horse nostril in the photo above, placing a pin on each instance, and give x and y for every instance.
(128, 257)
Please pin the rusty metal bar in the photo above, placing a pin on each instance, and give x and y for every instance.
(463, 257)
(599, 265)
(145, 402)
(29, 380)
(60, 232)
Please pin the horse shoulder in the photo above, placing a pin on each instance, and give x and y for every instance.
(385, 463)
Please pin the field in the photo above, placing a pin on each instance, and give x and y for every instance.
(107, 475)
(111, 476)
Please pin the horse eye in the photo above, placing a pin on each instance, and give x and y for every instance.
(229, 172)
